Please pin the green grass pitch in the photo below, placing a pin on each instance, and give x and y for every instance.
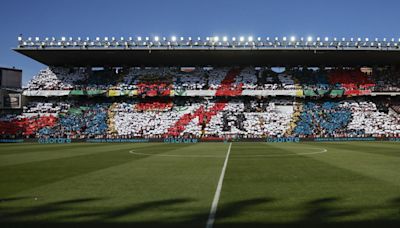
(338, 184)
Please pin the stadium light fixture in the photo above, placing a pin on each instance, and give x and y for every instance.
(284, 38)
(326, 39)
(233, 38)
(62, 38)
(19, 38)
(190, 38)
(216, 39)
(139, 38)
(309, 39)
(241, 39)
(250, 39)
(182, 38)
(156, 38)
(147, 38)
(173, 38)
(293, 39)
(225, 39)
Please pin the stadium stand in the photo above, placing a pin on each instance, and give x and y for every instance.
(156, 102)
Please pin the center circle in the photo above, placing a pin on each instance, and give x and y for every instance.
(319, 151)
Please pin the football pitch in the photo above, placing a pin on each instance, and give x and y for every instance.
(335, 184)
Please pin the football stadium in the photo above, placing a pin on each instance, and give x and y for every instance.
(204, 132)
(199, 114)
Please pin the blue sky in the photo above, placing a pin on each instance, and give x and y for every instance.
(341, 18)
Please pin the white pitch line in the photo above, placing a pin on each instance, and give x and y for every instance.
(214, 205)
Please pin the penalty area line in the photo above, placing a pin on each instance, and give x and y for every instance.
(214, 205)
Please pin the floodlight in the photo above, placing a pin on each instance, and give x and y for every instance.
(225, 39)
(284, 38)
(156, 38)
(182, 38)
(139, 38)
(173, 38)
(293, 38)
(326, 38)
(147, 38)
(19, 38)
(62, 38)
(250, 39)
(241, 39)
(309, 39)
(216, 39)
(233, 38)
(259, 38)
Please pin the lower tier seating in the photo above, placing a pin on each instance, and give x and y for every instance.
(197, 117)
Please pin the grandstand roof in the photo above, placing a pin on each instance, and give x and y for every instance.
(211, 56)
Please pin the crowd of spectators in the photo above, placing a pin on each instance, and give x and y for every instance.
(161, 80)
(348, 118)
(198, 117)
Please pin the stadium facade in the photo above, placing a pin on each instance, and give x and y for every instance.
(216, 88)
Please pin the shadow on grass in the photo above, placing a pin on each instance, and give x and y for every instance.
(321, 212)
